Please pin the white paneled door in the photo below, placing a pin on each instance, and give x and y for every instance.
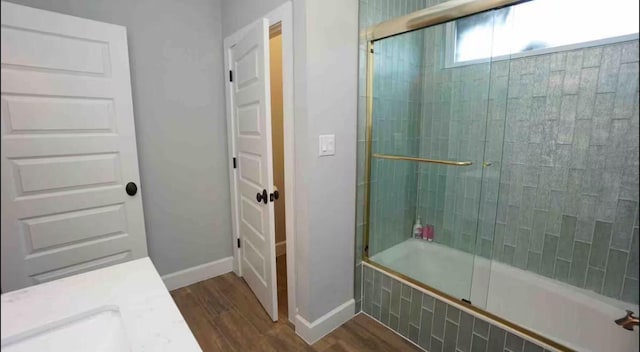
(249, 110)
(69, 162)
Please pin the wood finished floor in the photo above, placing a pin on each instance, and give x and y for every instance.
(224, 315)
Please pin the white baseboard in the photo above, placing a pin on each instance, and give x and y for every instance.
(281, 248)
(312, 332)
(198, 273)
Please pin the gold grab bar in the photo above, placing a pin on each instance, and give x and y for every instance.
(423, 160)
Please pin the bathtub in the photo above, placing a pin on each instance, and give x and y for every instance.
(577, 318)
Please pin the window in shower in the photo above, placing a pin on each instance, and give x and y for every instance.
(541, 26)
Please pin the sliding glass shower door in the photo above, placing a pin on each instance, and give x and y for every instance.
(430, 157)
(499, 149)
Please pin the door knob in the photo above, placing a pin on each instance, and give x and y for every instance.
(131, 189)
(262, 197)
(274, 196)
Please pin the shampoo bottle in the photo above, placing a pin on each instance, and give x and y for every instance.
(417, 229)
(427, 232)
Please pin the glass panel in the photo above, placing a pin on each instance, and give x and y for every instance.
(396, 116)
(370, 13)
(544, 24)
(424, 109)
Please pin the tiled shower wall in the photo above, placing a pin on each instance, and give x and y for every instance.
(568, 179)
(431, 323)
(568, 200)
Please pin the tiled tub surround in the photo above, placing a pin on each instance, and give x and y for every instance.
(561, 198)
(567, 206)
(561, 132)
(433, 324)
(547, 307)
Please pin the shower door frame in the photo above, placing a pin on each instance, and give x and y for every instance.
(431, 16)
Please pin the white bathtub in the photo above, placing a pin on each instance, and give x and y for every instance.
(574, 317)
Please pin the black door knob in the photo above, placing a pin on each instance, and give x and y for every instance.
(131, 189)
(274, 196)
(262, 197)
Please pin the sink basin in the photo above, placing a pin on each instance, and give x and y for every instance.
(100, 330)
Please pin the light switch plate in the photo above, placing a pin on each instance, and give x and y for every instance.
(326, 144)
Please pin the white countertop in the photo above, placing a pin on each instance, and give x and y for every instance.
(151, 320)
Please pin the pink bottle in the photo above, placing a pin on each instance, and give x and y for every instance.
(427, 232)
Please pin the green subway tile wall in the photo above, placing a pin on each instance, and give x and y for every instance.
(432, 324)
(569, 175)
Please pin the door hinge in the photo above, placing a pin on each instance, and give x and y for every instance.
(230, 76)
(238, 243)
(235, 166)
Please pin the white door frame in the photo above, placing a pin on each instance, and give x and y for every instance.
(283, 15)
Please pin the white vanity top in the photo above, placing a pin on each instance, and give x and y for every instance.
(128, 302)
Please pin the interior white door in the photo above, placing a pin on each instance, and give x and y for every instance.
(250, 111)
(68, 148)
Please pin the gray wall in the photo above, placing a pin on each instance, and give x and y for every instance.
(239, 13)
(325, 102)
(331, 107)
(325, 71)
(175, 53)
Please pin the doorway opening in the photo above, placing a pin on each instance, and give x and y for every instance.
(277, 146)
